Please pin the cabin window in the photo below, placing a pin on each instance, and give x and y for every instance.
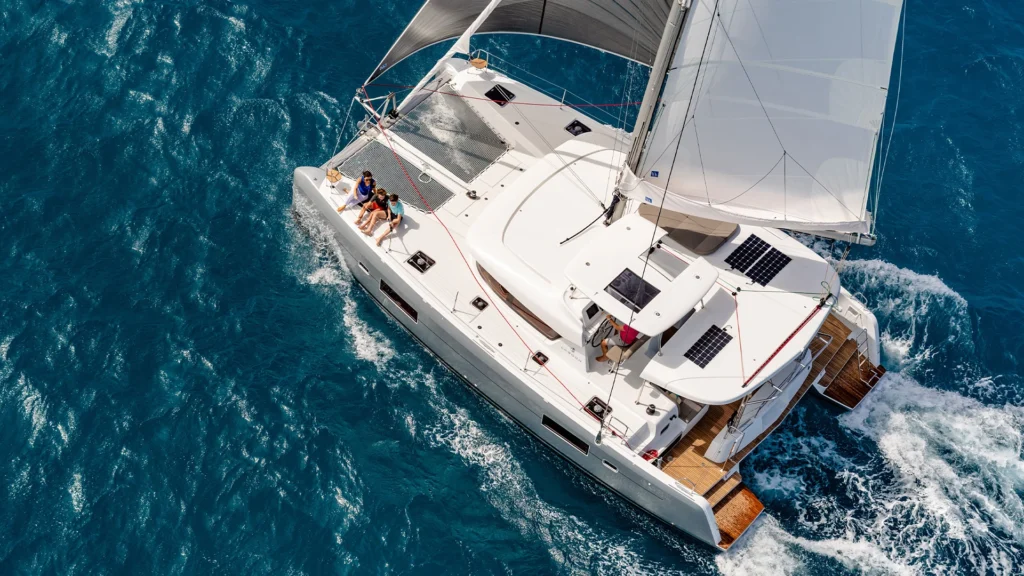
(564, 434)
(547, 331)
(398, 301)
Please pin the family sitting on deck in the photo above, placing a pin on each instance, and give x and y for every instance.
(380, 206)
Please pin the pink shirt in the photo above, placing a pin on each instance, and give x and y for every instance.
(628, 334)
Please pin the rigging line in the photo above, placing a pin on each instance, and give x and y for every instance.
(522, 340)
(749, 81)
(664, 196)
(892, 128)
(344, 126)
(772, 124)
(587, 103)
(739, 335)
(700, 90)
(561, 160)
(823, 187)
(700, 157)
(761, 179)
(620, 124)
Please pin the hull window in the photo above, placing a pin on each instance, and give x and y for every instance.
(545, 330)
(398, 301)
(564, 434)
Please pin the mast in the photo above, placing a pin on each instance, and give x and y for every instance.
(669, 41)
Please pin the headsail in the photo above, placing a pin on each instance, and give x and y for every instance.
(629, 29)
(771, 113)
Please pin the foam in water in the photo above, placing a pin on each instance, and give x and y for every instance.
(581, 548)
(367, 343)
(75, 490)
(945, 494)
(959, 465)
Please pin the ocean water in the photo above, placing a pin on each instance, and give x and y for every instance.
(191, 383)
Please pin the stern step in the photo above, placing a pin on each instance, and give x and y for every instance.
(735, 514)
(719, 491)
(849, 376)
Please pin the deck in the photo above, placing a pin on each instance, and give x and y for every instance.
(847, 377)
(686, 462)
(735, 514)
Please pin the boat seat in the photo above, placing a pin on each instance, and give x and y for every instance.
(617, 355)
(701, 236)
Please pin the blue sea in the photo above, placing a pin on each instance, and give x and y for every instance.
(191, 382)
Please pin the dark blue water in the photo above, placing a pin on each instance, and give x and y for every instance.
(189, 383)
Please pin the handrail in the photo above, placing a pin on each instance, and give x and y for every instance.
(490, 56)
(862, 347)
(734, 449)
(778, 389)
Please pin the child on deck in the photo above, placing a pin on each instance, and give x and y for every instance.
(378, 202)
(394, 213)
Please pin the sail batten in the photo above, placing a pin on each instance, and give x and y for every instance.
(788, 97)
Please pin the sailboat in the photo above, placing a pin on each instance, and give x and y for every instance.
(637, 300)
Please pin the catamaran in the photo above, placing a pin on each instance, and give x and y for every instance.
(634, 299)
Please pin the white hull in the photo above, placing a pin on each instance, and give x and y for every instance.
(490, 374)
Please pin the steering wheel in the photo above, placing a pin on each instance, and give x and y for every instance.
(601, 333)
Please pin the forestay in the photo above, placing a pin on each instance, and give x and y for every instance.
(787, 102)
(630, 29)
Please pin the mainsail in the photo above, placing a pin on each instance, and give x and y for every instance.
(771, 113)
(631, 29)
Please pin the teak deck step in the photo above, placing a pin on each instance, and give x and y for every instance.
(735, 514)
(849, 375)
(686, 462)
(854, 382)
(719, 491)
(839, 362)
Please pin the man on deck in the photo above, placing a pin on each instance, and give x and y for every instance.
(623, 337)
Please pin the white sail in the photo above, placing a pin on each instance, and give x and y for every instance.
(788, 97)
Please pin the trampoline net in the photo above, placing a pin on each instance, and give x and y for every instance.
(450, 133)
(378, 158)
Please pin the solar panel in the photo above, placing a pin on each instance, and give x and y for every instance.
(768, 267)
(748, 252)
(708, 346)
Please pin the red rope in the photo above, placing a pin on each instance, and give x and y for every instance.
(783, 345)
(509, 102)
(470, 268)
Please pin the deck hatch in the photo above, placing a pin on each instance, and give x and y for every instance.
(500, 95)
(747, 253)
(708, 346)
(577, 128)
(420, 261)
(768, 267)
(598, 408)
